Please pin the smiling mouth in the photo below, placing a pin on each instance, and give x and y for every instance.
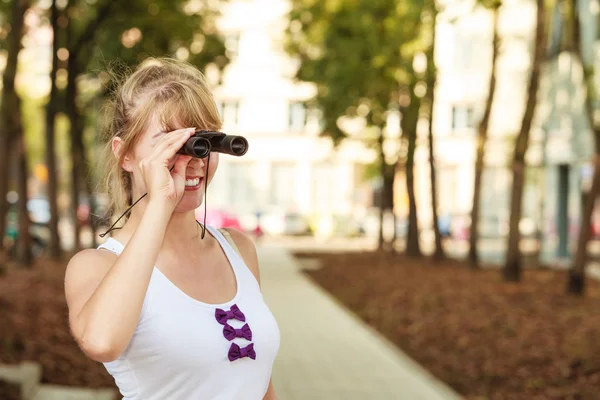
(192, 182)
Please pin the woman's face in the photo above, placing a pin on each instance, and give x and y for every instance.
(199, 172)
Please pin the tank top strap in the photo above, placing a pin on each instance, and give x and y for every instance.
(232, 253)
(235, 258)
(111, 245)
(229, 239)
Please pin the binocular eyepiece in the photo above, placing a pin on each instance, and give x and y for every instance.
(203, 142)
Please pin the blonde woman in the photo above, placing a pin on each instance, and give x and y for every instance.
(170, 312)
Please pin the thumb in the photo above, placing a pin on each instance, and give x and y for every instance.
(178, 172)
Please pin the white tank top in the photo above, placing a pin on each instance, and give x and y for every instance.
(184, 349)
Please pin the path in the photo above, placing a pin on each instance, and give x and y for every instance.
(328, 353)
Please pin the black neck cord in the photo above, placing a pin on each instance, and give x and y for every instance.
(203, 226)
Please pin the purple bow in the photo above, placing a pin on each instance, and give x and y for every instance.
(231, 333)
(223, 316)
(235, 352)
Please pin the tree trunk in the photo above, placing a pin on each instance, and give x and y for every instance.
(388, 183)
(92, 200)
(24, 254)
(85, 174)
(412, 240)
(54, 245)
(73, 115)
(576, 283)
(381, 239)
(410, 117)
(7, 132)
(431, 80)
(78, 52)
(512, 269)
(481, 142)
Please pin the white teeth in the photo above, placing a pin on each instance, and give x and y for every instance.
(192, 182)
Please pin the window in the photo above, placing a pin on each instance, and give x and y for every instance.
(297, 116)
(468, 47)
(229, 111)
(240, 185)
(462, 118)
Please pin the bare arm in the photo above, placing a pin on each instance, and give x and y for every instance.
(248, 253)
(105, 294)
(270, 395)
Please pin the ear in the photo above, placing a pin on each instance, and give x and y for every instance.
(117, 147)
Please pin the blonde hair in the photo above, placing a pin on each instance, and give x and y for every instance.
(173, 91)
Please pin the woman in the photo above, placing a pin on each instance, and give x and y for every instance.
(172, 314)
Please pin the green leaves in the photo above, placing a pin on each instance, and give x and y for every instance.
(356, 52)
(132, 30)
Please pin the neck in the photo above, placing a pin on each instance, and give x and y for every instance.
(181, 229)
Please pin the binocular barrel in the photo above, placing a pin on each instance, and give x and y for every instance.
(196, 147)
(232, 145)
(203, 142)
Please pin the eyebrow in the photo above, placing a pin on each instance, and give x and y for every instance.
(157, 134)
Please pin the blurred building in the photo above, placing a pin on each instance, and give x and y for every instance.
(289, 175)
(560, 141)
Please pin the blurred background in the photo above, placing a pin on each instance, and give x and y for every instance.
(457, 140)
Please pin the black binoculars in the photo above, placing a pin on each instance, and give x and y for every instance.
(203, 142)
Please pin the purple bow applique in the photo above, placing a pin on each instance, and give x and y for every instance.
(235, 352)
(231, 333)
(223, 316)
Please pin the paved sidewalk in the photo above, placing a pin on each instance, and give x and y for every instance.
(328, 353)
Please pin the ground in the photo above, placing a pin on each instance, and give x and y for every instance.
(487, 339)
(34, 327)
(9, 391)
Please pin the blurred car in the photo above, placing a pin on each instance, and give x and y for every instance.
(39, 211)
(284, 223)
(491, 227)
(445, 225)
(83, 213)
(219, 219)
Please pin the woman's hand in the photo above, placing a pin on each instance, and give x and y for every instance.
(164, 186)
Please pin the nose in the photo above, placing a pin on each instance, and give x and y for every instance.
(197, 162)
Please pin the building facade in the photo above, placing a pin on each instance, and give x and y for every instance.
(289, 169)
(561, 143)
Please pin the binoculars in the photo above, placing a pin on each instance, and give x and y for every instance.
(203, 142)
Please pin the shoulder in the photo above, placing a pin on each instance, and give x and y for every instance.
(85, 271)
(86, 259)
(247, 250)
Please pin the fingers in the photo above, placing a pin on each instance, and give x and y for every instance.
(178, 174)
(174, 140)
(179, 169)
(167, 147)
(172, 147)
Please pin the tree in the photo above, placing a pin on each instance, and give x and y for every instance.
(358, 55)
(10, 118)
(24, 254)
(54, 245)
(576, 284)
(512, 269)
(410, 104)
(128, 31)
(482, 134)
(430, 96)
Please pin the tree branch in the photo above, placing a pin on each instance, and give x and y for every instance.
(88, 34)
